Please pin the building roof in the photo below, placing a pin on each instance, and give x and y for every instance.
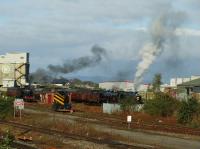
(192, 83)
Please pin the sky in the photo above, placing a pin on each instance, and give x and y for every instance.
(53, 31)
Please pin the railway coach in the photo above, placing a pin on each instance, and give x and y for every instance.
(98, 97)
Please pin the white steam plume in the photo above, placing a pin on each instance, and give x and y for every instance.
(162, 32)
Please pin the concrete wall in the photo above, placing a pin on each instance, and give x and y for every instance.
(14, 69)
(110, 108)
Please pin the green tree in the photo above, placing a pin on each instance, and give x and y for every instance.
(157, 82)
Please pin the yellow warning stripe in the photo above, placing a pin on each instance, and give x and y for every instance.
(58, 97)
(59, 101)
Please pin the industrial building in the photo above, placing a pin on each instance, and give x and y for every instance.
(122, 86)
(14, 69)
(117, 85)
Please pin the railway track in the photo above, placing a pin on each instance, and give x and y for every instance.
(146, 126)
(21, 145)
(168, 128)
(121, 124)
(111, 143)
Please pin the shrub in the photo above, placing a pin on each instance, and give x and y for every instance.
(7, 141)
(161, 105)
(127, 104)
(6, 107)
(188, 110)
(195, 123)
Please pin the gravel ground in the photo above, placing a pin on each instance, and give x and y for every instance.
(138, 136)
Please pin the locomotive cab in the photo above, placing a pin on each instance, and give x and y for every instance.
(62, 101)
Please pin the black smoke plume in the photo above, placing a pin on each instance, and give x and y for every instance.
(80, 63)
(50, 75)
(41, 76)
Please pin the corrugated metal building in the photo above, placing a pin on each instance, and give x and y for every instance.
(14, 69)
(191, 88)
(177, 81)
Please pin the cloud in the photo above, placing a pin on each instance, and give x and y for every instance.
(187, 32)
(55, 30)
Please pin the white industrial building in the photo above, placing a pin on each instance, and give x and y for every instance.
(177, 81)
(14, 69)
(122, 86)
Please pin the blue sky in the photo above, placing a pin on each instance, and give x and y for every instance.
(56, 30)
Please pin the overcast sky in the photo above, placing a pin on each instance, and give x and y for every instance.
(56, 30)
